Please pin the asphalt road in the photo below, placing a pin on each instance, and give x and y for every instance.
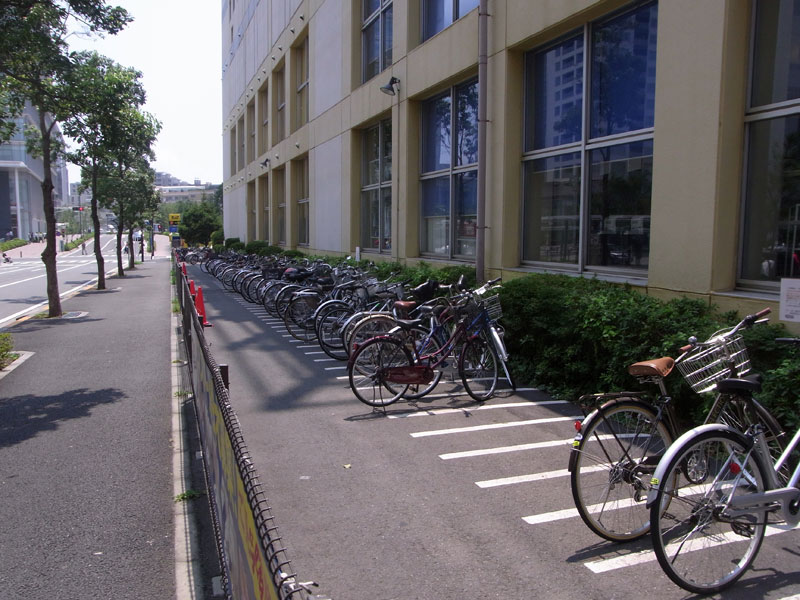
(441, 499)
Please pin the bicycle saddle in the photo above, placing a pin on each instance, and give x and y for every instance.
(656, 367)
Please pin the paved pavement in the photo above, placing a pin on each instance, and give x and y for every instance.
(88, 443)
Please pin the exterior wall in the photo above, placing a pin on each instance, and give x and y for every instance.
(698, 133)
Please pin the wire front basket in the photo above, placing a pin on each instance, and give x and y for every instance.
(493, 308)
(706, 367)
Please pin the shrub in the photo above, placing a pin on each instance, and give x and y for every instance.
(573, 336)
(6, 347)
(11, 244)
(261, 248)
(230, 241)
(234, 245)
(217, 238)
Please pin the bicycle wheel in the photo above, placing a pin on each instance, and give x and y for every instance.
(367, 370)
(299, 317)
(329, 331)
(426, 345)
(367, 328)
(268, 297)
(699, 543)
(611, 467)
(477, 367)
(282, 298)
(742, 412)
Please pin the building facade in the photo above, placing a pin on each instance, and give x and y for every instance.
(21, 176)
(647, 142)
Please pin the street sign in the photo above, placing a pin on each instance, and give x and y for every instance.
(173, 229)
(174, 219)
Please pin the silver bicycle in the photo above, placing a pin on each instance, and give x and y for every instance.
(715, 494)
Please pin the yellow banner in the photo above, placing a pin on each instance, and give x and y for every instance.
(175, 217)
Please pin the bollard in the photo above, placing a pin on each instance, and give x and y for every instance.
(201, 307)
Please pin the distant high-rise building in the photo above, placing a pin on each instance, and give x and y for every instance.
(21, 175)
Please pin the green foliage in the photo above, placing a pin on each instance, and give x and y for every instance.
(236, 246)
(198, 222)
(573, 336)
(261, 248)
(230, 241)
(6, 347)
(217, 238)
(11, 244)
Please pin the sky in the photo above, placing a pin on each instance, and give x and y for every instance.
(176, 46)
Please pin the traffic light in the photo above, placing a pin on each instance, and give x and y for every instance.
(77, 209)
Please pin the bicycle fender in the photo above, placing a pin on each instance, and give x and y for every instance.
(676, 447)
(594, 416)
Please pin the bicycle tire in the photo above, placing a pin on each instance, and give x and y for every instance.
(299, 317)
(329, 328)
(691, 539)
(477, 366)
(609, 489)
(369, 327)
(742, 412)
(268, 297)
(426, 345)
(365, 371)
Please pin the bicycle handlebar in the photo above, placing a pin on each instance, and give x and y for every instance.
(722, 335)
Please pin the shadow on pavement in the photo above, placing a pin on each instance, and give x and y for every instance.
(23, 417)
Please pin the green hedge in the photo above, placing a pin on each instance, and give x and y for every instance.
(572, 336)
(261, 248)
(11, 244)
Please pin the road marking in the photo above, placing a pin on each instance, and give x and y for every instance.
(644, 556)
(529, 478)
(492, 426)
(504, 449)
(448, 411)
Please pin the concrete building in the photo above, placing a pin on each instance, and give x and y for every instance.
(21, 176)
(649, 142)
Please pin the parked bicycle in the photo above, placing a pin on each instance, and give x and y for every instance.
(620, 442)
(381, 369)
(713, 495)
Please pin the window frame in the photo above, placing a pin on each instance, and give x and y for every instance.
(452, 173)
(756, 114)
(455, 14)
(378, 19)
(379, 187)
(302, 75)
(585, 146)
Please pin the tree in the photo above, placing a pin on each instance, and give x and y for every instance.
(102, 90)
(198, 222)
(34, 66)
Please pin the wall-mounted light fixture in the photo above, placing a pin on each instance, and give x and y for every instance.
(389, 88)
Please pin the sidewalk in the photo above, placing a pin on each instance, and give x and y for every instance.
(87, 443)
(34, 250)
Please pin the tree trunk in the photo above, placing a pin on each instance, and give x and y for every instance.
(131, 248)
(120, 222)
(49, 254)
(98, 251)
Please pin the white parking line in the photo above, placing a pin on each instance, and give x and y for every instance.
(644, 556)
(530, 478)
(449, 411)
(504, 449)
(492, 426)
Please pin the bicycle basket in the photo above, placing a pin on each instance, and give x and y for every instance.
(708, 366)
(493, 308)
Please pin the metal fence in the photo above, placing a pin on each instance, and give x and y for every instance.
(255, 564)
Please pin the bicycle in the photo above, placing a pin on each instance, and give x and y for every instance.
(713, 495)
(619, 443)
(381, 369)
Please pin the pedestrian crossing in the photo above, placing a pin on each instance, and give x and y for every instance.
(537, 419)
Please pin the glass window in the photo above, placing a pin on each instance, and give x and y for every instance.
(776, 52)
(376, 188)
(439, 14)
(436, 134)
(623, 73)
(589, 206)
(376, 37)
(770, 231)
(619, 205)
(301, 79)
(449, 179)
(552, 200)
